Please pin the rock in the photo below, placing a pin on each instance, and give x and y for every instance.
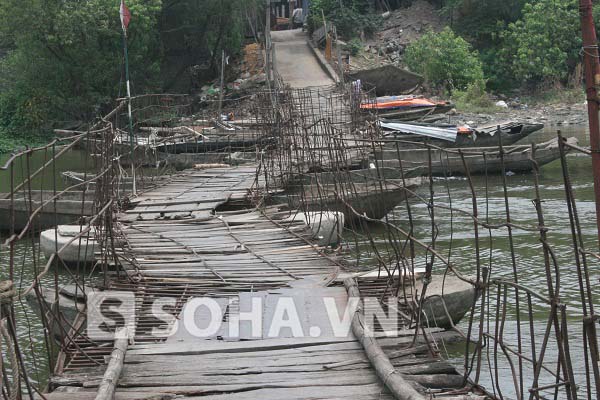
(386, 15)
(501, 104)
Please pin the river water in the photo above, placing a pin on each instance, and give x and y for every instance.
(456, 237)
(28, 262)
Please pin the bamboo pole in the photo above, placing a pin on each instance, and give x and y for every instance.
(108, 386)
(401, 389)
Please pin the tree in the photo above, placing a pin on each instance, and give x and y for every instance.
(351, 17)
(68, 61)
(482, 20)
(68, 64)
(544, 43)
(445, 60)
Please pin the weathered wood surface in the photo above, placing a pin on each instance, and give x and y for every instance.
(233, 255)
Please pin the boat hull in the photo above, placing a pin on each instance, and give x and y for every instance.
(64, 212)
(516, 159)
(355, 201)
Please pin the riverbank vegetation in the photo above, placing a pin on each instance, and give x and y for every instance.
(61, 63)
(508, 47)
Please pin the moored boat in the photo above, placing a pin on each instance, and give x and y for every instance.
(365, 175)
(354, 200)
(405, 108)
(68, 208)
(444, 135)
(517, 158)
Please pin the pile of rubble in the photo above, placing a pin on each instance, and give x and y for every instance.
(402, 27)
(250, 74)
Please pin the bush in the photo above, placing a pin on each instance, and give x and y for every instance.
(354, 46)
(544, 43)
(473, 98)
(445, 60)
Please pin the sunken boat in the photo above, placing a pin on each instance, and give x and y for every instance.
(448, 298)
(61, 307)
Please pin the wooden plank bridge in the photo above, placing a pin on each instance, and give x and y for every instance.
(197, 237)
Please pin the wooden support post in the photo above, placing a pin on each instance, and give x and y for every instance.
(108, 386)
(401, 389)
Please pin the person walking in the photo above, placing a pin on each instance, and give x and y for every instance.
(297, 18)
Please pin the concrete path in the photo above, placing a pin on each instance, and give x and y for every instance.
(295, 61)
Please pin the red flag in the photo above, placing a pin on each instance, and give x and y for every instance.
(125, 16)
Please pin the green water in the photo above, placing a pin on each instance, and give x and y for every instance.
(28, 262)
(71, 160)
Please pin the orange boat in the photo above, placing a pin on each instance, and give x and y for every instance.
(397, 102)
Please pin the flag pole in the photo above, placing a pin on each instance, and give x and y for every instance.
(129, 113)
(222, 85)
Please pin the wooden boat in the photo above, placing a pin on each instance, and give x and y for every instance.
(444, 135)
(387, 79)
(67, 209)
(516, 158)
(364, 199)
(406, 108)
(181, 161)
(365, 176)
(234, 143)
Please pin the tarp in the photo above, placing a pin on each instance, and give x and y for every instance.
(447, 134)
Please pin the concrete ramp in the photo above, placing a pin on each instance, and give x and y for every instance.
(295, 61)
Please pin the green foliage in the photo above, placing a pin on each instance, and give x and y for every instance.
(445, 60)
(65, 60)
(354, 46)
(69, 61)
(351, 19)
(482, 20)
(473, 99)
(544, 43)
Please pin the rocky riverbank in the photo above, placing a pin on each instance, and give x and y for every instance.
(549, 114)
